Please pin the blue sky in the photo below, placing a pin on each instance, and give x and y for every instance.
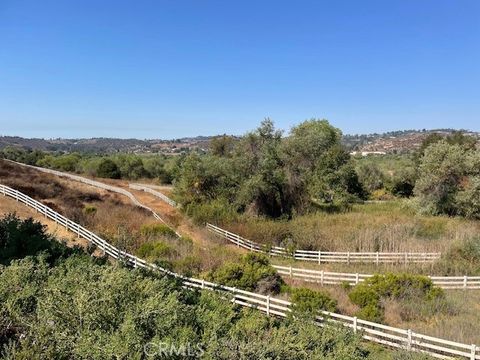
(163, 69)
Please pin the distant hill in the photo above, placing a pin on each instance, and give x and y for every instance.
(396, 141)
(107, 145)
(390, 142)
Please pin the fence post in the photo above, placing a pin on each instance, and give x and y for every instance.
(268, 305)
(291, 272)
(409, 344)
(356, 279)
(203, 283)
(321, 277)
(319, 257)
(348, 258)
(465, 279)
(355, 324)
(378, 259)
(473, 352)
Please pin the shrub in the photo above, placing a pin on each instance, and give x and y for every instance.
(307, 301)
(188, 266)
(403, 287)
(89, 210)
(151, 230)
(252, 272)
(108, 169)
(156, 250)
(20, 238)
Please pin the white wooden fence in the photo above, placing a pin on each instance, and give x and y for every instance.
(149, 190)
(99, 185)
(378, 333)
(335, 278)
(327, 256)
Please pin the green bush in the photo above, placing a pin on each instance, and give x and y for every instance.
(82, 310)
(307, 301)
(154, 250)
(252, 272)
(20, 238)
(369, 294)
(151, 230)
(108, 169)
(188, 266)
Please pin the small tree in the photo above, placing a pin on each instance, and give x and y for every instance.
(108, 169)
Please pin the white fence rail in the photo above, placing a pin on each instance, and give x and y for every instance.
(326, 256)
(334, 278)
(378, 333)
(149, 190)
(99, 185)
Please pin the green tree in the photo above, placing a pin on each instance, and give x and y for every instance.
(441, 170)
(108, 169)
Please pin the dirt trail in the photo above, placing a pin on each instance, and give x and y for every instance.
(169, 213)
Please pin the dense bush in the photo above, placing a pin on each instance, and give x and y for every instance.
(449, 181)
(252, 272)
(82, 310)
(154, 250)
(410, 289)
(20, 238)
(108, 169)
(307, 301)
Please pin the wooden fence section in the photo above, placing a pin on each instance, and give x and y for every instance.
(378, 333)
(99, 185)
(325, 256)
(149, 190)
(333, 278)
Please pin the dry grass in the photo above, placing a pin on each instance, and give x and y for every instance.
(387, 226)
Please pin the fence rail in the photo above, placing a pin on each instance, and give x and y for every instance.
(378, 333)
(149, 190)
(99, 185)
(334, 278)
(326, 256)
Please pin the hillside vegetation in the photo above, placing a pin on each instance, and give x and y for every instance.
(78, 307)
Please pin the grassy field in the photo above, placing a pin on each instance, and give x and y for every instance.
(390, 226)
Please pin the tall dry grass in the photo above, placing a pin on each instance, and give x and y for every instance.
(389, 227)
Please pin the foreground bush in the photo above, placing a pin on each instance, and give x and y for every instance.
(307, 301)
(20, 238)
(82, 310)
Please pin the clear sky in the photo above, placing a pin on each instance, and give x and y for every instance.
(163, 69)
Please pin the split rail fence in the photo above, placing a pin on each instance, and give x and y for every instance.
(334, 278)
(378, 333)
(149, 190)
(327, 256)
